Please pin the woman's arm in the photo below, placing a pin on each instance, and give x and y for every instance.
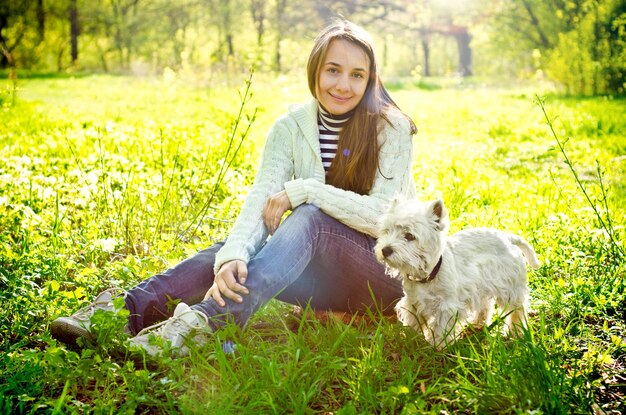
(276, 168)
(361, 212)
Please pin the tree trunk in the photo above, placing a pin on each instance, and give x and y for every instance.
(465, 53)
(257, 8)
(277, 63)
(60, 59)
(426, 49)
(74, 30)
(229, 43)
(595, 45)
(281, 5)
(103, 59)
(41, 21)
(5, 55)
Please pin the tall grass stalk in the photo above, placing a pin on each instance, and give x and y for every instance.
(607, 225)
(228, 158)
(73, 151)
(103, 176)
(165, 197)
(58, 409)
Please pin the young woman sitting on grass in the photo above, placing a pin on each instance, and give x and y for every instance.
(334, 162)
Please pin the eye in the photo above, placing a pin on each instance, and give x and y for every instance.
(409, 236)
(358, 75)
(332, 70)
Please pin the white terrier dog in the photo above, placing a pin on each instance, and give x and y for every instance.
(449, 281)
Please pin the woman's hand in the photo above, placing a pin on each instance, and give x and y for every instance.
(274, 209)
(225, 282)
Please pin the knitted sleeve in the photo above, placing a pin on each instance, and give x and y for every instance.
(276, 168)
(361, 212)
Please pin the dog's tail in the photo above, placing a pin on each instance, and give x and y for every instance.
(527, 250)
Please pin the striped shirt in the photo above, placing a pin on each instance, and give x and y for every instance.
(329, 128)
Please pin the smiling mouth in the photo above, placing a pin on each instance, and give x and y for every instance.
(342, 99)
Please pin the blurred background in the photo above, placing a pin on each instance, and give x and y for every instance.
(580, 45)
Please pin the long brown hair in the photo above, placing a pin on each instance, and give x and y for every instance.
(355, 165)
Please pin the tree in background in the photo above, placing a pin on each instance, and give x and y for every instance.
(226, 17)
(590, 58)
(74, 30)
(280, 23)
(575, 42)
(125, 24)
(578, 43)
(258, 10)
(455, 19)
(171, 38)
(14, 29)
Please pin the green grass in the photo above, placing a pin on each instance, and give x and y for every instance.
(101, 182)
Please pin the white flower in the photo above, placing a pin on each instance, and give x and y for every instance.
(107, 244)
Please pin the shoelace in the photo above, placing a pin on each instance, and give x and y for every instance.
(85, 312)
(177, 322)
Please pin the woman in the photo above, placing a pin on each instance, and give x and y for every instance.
(334, 162)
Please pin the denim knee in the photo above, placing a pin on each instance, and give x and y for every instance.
(306, 215)
(307, 209)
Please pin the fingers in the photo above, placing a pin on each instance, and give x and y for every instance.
(271, 223)
(271, 216)
(225, 283)
(274, 210)
(209, 293)
(242, 273)
(228, 292)
(214, 293)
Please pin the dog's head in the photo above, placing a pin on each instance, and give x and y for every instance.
(412, 236)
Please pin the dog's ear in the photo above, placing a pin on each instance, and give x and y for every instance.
(441, 214)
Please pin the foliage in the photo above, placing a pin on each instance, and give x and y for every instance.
(579, 44)
(590, 59)
(98, 195)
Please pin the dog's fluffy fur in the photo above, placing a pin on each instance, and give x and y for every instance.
(479, 267)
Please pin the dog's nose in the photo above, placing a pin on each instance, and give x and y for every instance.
(387, 251)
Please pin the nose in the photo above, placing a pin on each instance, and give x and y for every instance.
(387, 251)
(343, 83)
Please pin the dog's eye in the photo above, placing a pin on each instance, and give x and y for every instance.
(409, 236)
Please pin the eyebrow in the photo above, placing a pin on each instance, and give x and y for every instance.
(339, 66)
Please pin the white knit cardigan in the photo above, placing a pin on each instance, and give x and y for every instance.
(291, 161)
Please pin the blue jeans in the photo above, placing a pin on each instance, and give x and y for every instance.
(311, 259)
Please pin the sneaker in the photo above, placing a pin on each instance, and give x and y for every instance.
(186, 323)
(69, 329)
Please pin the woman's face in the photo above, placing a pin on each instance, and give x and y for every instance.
(343, 77)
